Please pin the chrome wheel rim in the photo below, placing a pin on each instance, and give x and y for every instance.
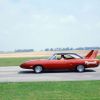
(38, 69)
(80, 68)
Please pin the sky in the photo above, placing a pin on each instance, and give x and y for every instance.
(40, 24)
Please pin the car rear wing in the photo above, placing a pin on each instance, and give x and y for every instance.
(92, 54)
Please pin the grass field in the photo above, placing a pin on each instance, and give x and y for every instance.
(18, 61)
(98, 57)
(77, 90)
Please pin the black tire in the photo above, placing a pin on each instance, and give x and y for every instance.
(80, 68)
(38, 69)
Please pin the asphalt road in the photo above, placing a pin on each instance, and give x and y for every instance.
(16, 74)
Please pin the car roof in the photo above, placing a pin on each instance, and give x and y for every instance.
(64, 53)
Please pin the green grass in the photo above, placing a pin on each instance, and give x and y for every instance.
(16, 61)
(76, 90)
(98, 57)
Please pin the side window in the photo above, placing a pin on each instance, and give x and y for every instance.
(58, 57)
(67, 57)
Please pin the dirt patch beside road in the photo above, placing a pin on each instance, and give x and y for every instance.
(41, 53)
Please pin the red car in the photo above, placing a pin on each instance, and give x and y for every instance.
(63, 61)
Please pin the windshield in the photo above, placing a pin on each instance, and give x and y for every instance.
(52, 57)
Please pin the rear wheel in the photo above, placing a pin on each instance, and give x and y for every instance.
(38, 69)
(80, 68)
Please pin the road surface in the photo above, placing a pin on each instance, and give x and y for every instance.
(16, 74)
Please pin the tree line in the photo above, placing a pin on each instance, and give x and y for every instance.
(68, 48)
(59, 49)
(24, 50)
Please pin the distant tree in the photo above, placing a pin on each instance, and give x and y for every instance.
(80, 48)
(24, 50)
(51, 49)
(47, 49)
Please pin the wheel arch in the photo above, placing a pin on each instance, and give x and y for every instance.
(80, 65)
(38, 65)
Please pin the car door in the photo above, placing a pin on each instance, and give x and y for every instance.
(55, 64)
(59, 64)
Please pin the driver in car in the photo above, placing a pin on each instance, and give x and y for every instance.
(63, 57)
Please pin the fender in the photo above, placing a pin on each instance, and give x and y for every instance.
(90, 62)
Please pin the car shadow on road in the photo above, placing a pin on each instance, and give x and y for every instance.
(90, 70)
(56, 71)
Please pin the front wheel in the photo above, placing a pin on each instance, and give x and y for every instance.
(80, 68)
(38, 69)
